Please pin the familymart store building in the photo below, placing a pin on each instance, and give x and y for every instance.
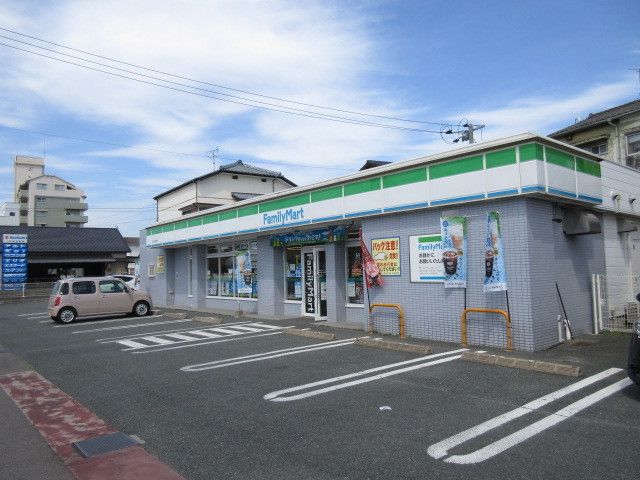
(297, 253)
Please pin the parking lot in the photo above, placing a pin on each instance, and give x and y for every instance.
(244, 400)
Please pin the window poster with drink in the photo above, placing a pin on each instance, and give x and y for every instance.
(386, 253)
(495, 277)
(244, 271)
(454, 245)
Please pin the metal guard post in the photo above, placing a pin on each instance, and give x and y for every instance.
(463, 323)
(388, 305)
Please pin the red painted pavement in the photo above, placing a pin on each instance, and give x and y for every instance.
(62, 421)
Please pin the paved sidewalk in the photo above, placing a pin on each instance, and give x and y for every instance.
(23, 452)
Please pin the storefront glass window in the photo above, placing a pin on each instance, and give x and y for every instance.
(232, 270)
(293, 273)
(227, 287)
(213, 277)
(355, 290)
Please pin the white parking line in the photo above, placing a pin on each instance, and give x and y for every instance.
(189, 345)
(525, 433)
(131, 335)
(121, 327)
(258, 357)
(422, 362)
(37, 317)
(29, 314)
(441, 449)
(89, 321)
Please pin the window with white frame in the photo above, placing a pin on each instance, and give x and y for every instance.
(41, 213)
(293, 273)
(633, 150)
(41, 186)
(355, 286)
(598, 148)
(232, 270)
(41, 199)
(59, 188)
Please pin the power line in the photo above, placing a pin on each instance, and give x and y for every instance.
(209, 83)
(289, 110)
(55, 135)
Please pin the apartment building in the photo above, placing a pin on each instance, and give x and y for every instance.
(46, 200)
(613, 134)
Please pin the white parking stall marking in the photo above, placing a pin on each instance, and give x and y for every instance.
(162, 339)
(122, 327)
(180, 330)
(90, 321)
(234, 338)
(30, 314)
(441, 449)
(422, 362)
(258, 357)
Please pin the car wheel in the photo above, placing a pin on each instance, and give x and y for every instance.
(66, 315)
(141, 309)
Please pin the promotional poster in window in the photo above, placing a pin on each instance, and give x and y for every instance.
(495, 279)
(453, 231)
(244, 271)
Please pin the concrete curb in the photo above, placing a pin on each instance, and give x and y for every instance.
(212, 320)
(523, 363)
(176, 315)
(388, 345)
(309, 333)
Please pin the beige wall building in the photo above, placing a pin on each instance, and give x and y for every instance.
(46, 200)
(230, 183)
(613, 134)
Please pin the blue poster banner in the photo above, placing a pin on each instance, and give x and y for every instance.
(454, 248)
(244, 272)
(14, 261)
(495, 276)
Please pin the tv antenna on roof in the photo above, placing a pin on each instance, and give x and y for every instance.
(214, 153)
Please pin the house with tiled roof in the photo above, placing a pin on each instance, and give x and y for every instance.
(613, 134)
(230, 183)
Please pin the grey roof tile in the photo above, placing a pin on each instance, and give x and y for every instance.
(600, 117)
(71, 240)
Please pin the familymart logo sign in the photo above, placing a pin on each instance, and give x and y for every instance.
(283, 217)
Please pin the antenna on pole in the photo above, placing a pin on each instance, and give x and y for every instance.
(213, 154)
(637, 70)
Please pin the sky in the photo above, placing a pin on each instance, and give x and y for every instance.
(129, 134)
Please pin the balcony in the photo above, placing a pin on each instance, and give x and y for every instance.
(76, 219)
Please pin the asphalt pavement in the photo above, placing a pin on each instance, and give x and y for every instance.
(243, 400)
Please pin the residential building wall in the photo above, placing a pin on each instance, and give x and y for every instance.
(51, 207)
(215, 190)
(9, 214)
(24, 169)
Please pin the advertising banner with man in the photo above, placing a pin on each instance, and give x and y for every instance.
(495, 277)
(454, 246)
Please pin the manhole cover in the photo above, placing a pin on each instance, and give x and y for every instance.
(104, 444)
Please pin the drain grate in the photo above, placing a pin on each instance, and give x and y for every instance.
(104, 444)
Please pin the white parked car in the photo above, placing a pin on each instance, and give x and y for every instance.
(131, 280)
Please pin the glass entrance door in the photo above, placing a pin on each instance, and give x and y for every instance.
(314, 302)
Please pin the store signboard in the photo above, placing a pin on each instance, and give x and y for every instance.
(14, 261)
(327, 235)
(309, 284)
(454, 248)
(386, 254)
(425, 258)
(159, 264)
(495, 276)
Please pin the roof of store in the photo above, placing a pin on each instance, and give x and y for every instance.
(238, 167)
(466, 151)
(71, 240)
(601, 117)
